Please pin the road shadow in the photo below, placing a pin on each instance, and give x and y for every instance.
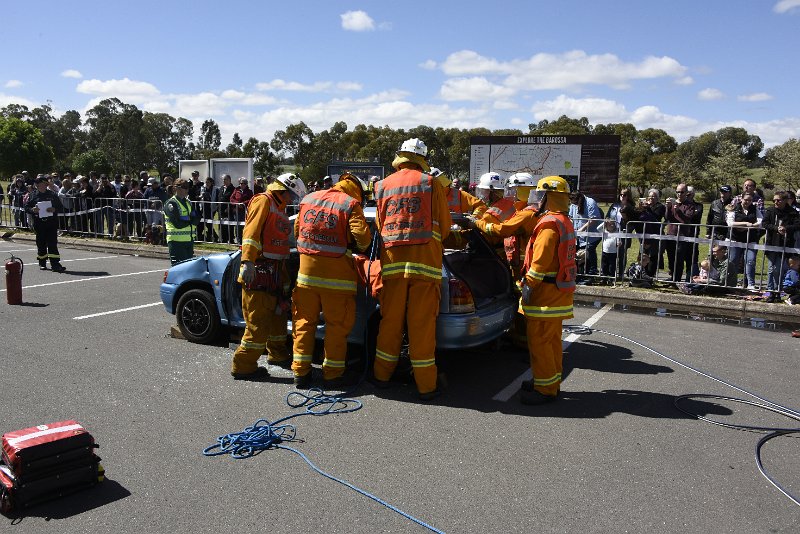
(74, 504)
(33, 304)
(85, 273)
(607, 358)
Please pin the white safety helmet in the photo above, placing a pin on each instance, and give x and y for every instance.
(490, 181)
(520, 185)
(415, 146)
(293, 184)
(435, 172)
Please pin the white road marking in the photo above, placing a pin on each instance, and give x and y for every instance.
(118, 311)
(79, 259)
(18, 250)
(89, 279)
(510, 390)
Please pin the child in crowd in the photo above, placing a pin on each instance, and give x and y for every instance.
(637, 273)
(608, 259)
(791, 283)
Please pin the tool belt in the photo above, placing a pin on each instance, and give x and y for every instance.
(268, 276)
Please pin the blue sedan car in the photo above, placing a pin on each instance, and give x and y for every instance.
(477, 304)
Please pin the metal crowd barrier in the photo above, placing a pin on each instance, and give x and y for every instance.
(653, 234)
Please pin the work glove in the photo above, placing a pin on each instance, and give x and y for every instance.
(248, 272)
(470, 220)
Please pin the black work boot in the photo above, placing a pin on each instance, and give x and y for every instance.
(259, 375)
(57, 267)
(42, 266)
(303, 382)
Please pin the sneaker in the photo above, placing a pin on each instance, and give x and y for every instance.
(751, 287)
(58, 268)
(534, 398)
(259, 375)
(345, 381)
(303, 382)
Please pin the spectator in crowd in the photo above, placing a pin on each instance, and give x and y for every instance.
(195, 186)
(258, 187)
(608, 258)
(53, 182)
(156, 197)
(652, 214)
(791, 283)
(103, 196)
(166, 181)
(637, 273)
(208, 198)
(680, 214)
(2, 199)
(117, 183)
(715, 220)
(27, 179)
(625, 214)
(181, 219)
(66, 195)
(794, 204)
(745, 229)
(327, 183)
(126, 186)
(135, 206)
(16, 194)
(586, 214)
(698, 219)
(717, 274)
(225, 215)
(45, 224)
(749, 186)
(239, 199)
(85, 202)
(780, 222)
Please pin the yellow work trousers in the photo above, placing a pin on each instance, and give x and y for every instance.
(415, 303)
(544, 346)
(265, 330)
(339, 310)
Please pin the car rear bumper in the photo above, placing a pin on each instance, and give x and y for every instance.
(458, 331)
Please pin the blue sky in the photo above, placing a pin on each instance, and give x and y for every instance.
(685, 66)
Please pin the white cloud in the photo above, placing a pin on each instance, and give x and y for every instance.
(597, 110)
(428, 65)
(710, 94)
(283, 85)
(473, 89)
(117, 88)
(13, 99)
(755, 97)
(349, 86)
(686, 80)
(71, 73)
(785, 5)
(11, 84)
(357, 21)
(572, 69)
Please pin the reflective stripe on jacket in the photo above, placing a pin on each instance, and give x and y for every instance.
(184, 234)
(502, 210)
(274, 232)
(323, 223)
(404, 208)
(567, 269)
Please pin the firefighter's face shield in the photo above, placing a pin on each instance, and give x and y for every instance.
(537, 197)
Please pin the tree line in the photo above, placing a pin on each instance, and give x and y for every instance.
(115, 137)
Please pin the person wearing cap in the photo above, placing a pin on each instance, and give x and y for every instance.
(327, 183)
(715, 219)
(181, 221)
(330, 225)
(413, 219)
(44, 205)
(264, 279)
(239, 199)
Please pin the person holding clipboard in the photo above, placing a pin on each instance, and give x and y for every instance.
(44, 205)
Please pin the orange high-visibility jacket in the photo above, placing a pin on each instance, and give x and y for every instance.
(516, 231)
(412, 253)
(266, 229)
(550, 268)
(323, 270)
(461, 202)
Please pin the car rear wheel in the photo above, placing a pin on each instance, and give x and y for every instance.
(198, 318)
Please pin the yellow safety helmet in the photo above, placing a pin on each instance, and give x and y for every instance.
(554, 184)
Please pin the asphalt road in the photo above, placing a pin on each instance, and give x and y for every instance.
(613, 455)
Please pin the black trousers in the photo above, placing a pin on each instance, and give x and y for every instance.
(47, 242)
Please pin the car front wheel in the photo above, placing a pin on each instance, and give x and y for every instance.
(198, 318)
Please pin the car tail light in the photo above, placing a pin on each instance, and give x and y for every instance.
(460, 297)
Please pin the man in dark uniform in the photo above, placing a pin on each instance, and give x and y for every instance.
(45, 224)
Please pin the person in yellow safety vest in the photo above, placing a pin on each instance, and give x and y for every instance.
(516, 232)
(329, 223)
(413, 219)
(180, 221)
(265, 246)
(459, 202)
(548, 287)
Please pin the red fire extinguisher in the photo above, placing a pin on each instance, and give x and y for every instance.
(14, 269)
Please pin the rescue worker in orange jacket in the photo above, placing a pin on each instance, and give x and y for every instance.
(413, 219)
(548, 287)
(516, 232)
(459, 202)
(330, 223)
(491, 189)
(265, 246)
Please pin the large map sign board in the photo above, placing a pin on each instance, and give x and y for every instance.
(588, 162)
